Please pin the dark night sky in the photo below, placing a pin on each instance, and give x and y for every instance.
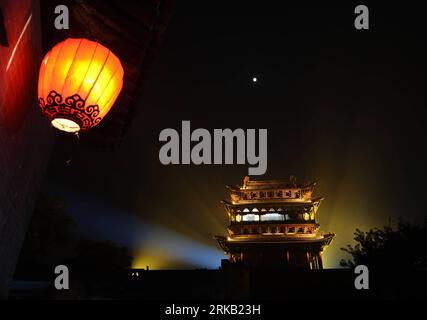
(345, 108)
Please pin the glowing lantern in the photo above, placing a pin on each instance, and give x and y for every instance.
(79, 81)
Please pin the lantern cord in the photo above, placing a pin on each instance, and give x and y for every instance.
(69, 161)
(75, 145)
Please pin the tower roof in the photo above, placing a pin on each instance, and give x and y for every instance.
(249, 184)
(271, 191)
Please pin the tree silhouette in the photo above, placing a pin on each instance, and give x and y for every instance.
(50, 229)
(400, 249)
(52, 239)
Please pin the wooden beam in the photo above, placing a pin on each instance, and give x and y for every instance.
(3, 34)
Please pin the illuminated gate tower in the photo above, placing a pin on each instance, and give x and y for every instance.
(273, 224)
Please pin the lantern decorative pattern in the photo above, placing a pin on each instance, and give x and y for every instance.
(79, 81)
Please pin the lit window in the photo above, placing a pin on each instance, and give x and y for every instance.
(272, 217)
(238, 218)
(251, 217)
(255, 210)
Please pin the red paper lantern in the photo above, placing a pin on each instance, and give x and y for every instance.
(79, 81)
